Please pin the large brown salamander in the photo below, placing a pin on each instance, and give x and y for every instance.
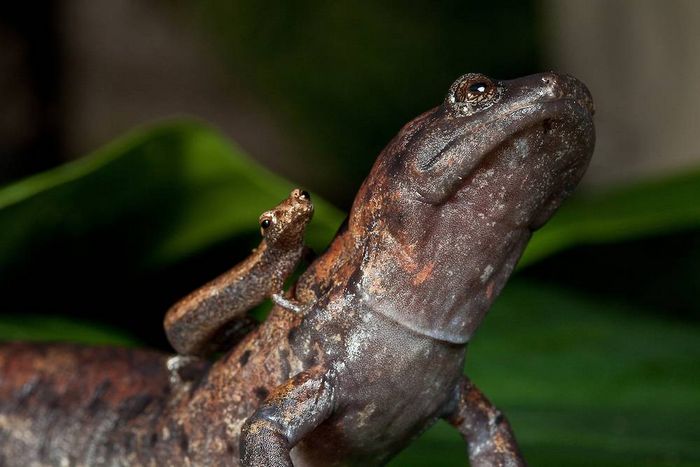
(374, 352)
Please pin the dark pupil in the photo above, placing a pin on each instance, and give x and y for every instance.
(265, 223)
(477, 88)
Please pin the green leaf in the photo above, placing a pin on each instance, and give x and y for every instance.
(172, 189)
(645, 209)
(32, 327)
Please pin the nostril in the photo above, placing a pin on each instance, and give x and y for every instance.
(547, 125)
(550, 79)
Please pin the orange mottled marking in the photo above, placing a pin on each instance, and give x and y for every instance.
(489, 290)
(424, 273)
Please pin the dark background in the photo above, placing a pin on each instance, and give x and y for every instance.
(292, 82)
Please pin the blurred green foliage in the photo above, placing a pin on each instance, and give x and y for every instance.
(585, 379)
(50, 328)
(651, 208)
(177, 188)
(121, 234)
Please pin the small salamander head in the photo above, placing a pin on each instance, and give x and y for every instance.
(451, 202)
(285, 224)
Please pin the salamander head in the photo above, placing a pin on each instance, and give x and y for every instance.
(285, 224)
(451, 202)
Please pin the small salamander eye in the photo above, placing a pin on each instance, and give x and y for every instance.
(267, 219)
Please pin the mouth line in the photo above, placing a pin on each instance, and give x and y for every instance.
(546, 105)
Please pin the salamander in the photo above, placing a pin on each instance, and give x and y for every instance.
(377, 353)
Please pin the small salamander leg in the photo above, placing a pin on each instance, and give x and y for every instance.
(292, 411)
(179, 369)
(287, 303)
(488, 434)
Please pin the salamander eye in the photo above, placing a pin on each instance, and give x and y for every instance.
(474, 90)
(266, 221)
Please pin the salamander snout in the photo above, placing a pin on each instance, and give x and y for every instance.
(301, 195)
(564, 86)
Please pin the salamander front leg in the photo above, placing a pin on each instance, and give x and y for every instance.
(488, 434)
(292, 411)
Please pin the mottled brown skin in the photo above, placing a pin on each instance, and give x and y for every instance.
(201, 323)
(377, 355)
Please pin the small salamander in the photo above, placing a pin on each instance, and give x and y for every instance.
(209, 317)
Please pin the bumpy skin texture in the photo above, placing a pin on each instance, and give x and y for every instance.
(210, 316)
(377, 355)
